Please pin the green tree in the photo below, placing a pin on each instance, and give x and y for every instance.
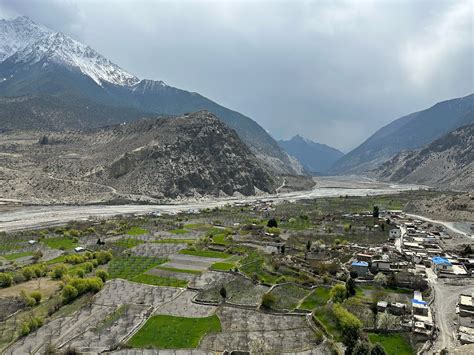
(361, 348)
(272, 223)
(376, 212)
(69, 293)
(223, 292)
(268, 300)
(102, 274)
(6, 280)
(350, 287)
(377, 349)
(37, 296)
(338, 293)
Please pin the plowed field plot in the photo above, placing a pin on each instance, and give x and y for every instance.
(172, 274)
(239, 291)
(183, 306)
(117, 309)
(246, 330)
(210, 278)
(160, 352)
(288, 296)
(118, 292)
(157, 249)
(190, 262)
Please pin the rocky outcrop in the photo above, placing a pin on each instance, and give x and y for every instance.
(447, 163)
(167, 158)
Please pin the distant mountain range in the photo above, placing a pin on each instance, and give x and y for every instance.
(407, 133)
(39, 61)
(315, 157)
(447, 162)
(149, 160)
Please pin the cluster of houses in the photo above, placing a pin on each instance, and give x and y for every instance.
(466, 318)
(413, 246)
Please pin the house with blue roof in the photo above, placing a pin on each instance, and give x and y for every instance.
(440, 264)
(361, 267)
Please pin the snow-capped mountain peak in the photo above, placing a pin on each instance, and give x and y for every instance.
(18, 33)
(25, 42)
(61, 49)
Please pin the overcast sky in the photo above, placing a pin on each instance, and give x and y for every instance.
(332, 71)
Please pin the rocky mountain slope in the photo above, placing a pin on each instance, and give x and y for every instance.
(148, 160)
(448, 162)
(57, 112)
(55, 64)
(407, 133)
(315, 157)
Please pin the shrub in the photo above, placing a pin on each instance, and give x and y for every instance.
(377, 350)
(350, 287)
(268, 300)
(25, 329)
(27, 300)
(380, 279)
(103, 257)
(349, 324)
(338, 293)
(6, 280)
(102, 274)
(58, 271)
(272, 223)
(37, 296)
(274, 231)
(69, 293)
(27, 273)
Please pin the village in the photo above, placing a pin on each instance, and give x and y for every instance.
(317, 276)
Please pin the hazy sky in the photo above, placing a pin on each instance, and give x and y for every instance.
(333, 71)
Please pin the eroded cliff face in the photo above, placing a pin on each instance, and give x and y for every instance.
(188, 156)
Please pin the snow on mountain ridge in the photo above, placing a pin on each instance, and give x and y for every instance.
(23, 41)
(62, 49)
(18, 33)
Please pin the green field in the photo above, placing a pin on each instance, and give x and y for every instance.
(129, 267)
(168, 332)
(205, 253)
(136, 231)
(222, 266)
(128, 243)
(393, 344)
(174, 241)
(185, 271)
(18, 255)
(60, 243)
(159, 280)
(319, 297)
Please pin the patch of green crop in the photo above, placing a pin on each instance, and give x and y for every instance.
(319, 297)
(205, 253)
(169, 332)
(159, 280)
(393, 344)
(136, 231)
(62, 243)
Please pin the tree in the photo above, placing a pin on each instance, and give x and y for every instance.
(308, 245)
(361, 348)
(375, 212)
(223, 292)
(282, 249)
(387, 321)
(350, 287)
(338, 293)
(354, 274)
(392, 280)
(272, 223)
(37, 296)
(102, 274)
(44, 140)
(380, 279)
(268, 300)
(6, 280)
(349, 324)
(69, 293)
(377, 350)
(58, 271)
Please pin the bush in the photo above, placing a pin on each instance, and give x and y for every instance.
(338, 293)
(31, 325)
(27, 300)
(102, 274)
(268, 300)
(58, 271)
(272, 223)
(27, 273)
(25, 329)
(274, 230)
(380, 279)
(69, 293)
(103, 257)
(349, 324)
(37, 296)
(6, 280)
